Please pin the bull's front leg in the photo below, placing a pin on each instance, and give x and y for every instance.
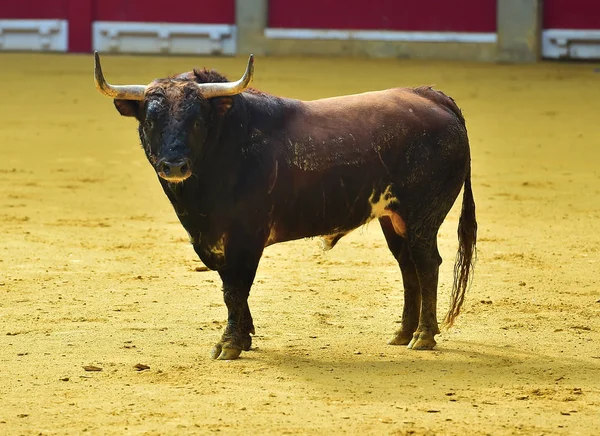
(236, 336)
(237, 279)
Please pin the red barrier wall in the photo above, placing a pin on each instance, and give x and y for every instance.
(571, 14)
(34, 9)
(80, 25)
(399, 15)
(157, 11)
(82, 13)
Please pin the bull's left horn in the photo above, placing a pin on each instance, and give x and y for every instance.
(126, 92)
(210, 90)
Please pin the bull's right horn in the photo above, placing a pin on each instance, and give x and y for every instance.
(210, 90)
(126, 92)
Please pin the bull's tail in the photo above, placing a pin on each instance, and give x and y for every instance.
(465, 258)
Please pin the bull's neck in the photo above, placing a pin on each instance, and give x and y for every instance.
(268, 113)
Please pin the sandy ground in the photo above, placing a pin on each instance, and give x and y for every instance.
(95, 270)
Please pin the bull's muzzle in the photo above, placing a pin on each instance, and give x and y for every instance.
(174, 170)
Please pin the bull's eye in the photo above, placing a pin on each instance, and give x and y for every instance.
(149, 124)
(197, 124)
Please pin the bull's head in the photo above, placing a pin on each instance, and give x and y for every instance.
(174, 115)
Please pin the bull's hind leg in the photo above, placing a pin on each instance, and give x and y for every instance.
(419, 262)
(412, 294)
(426, 260)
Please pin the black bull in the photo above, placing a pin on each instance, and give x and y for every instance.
(244, 170)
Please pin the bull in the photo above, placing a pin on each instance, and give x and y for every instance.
(244, 169)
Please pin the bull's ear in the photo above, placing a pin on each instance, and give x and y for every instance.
(128, 108)
(222, 104)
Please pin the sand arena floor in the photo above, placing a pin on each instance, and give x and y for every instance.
(96, 270)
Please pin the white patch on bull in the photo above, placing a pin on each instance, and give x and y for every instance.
(379, 208)
(219, 248)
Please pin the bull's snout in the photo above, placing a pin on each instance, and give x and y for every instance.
(174, 170)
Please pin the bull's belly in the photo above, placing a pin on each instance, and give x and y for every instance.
(333, 219)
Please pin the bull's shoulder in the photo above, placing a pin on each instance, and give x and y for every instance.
(439, 98)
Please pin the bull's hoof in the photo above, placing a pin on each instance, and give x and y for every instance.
(225, 351)
(230, 347)
(422, 341)
(401, 337)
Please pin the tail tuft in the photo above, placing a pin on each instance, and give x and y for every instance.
(467, 253)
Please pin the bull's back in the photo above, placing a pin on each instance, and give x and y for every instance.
(418, 107)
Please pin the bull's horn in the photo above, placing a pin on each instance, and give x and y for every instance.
(210, 90)
(127, 92)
